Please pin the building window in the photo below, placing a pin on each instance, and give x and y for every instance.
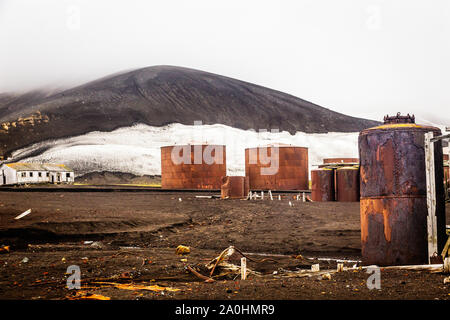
(40, 174)
(31, 174)
(24, 174)
(67, 175)
(48, 174)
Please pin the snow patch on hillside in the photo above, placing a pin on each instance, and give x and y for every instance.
(136, 149)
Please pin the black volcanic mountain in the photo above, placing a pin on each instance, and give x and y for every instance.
(159, 96)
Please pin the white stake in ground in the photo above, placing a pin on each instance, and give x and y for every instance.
(23, 214)
(243, 268)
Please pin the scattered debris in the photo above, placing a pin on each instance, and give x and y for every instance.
(23, 214)
(199, 275)
(131, 286)
(182, 250)
(97, 245)
(315, 267)
(326, 276)
(179, 199)
(25, 260)
(340, 267)
(4, 249)
(88, 242)
(446, 280)
(83, 295)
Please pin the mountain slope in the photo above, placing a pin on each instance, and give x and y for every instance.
(158, 96)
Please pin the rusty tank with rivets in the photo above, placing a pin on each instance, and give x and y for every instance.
(193, 167)
(322, 184)
(394, 192)
(277, 167)
(347, 184)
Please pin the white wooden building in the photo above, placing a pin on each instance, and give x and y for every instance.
(30, 173)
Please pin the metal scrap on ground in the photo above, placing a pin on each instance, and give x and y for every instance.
(23, 214)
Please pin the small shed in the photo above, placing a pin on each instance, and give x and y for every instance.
(32, 173)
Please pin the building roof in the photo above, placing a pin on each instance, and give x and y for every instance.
(21, 166)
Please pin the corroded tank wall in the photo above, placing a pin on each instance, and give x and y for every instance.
(234, 187)
(322, 185)
(347, 184)
(186, 168)
(340, 160)
(393, 193)
(446, 168)
(288, 171)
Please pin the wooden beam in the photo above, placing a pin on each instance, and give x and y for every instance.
(431, 196)
(447, 136)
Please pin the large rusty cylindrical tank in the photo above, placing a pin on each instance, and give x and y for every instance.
(347, 184)
(277, 167)
(393, 192)
(322, 185)
(193, 167)
(234, 187)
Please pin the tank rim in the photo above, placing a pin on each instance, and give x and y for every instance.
(399, 127)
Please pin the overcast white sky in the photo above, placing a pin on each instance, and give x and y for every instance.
(360, 57)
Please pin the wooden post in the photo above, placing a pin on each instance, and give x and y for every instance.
(243, 268)
(270, 195)
(431, 196)
(262, 195)
(304, 197)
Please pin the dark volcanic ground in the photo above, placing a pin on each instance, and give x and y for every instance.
(136, 234)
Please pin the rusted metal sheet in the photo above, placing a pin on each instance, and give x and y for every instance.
(393, 193)
(267, 171)
(446, 169)
(322, 185)
(347, 184)
(193, 166)
(234, 187)
(340, 160)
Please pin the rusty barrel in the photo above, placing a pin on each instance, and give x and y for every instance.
(277, 167)
(393, 192)
(234, 187)
(193, 167)
(322, 185)
(347, 184)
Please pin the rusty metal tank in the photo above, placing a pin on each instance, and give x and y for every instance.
(446, 168)
(393, 192)
(347, 184)
(234, 187)
(286, 171)
(322, 185)
(340, 160)
(193, 167)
